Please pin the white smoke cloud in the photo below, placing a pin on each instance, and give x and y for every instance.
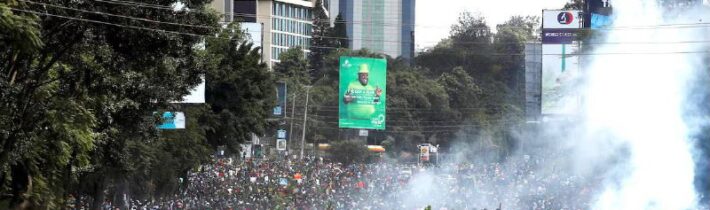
(630, 147)
(636, 93)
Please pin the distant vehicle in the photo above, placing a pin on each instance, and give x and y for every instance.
(405, 172)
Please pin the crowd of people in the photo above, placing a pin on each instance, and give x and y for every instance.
(316, 184)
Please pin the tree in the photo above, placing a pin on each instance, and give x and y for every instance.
(348, 152)
(81, 103)
(321, 43)
(340, 32)
(481, 73)
(509, 44)
(469, 45)
(20, 32)
(574, 4)
(293, 67)
(240, 93)
(471, 31)
(415, 104)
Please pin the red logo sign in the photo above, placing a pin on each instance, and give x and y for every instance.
(565, 18)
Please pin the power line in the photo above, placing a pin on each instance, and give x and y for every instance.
(327, 109)
(400, 129)
(405, 108)
(107, 23)
(676, 25)
(343, 38)
(415, 111)
(532, 42)
(156, 6)
(328, 119)
(122, 16)
(325, 47)
(131, 3)
(132, 27)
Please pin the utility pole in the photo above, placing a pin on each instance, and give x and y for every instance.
(290, 130)
(305, 117)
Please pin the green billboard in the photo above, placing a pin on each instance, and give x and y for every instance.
(363, 93)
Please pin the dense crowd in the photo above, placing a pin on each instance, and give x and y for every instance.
(314, 184)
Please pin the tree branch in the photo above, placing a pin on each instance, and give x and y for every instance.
(57, 55)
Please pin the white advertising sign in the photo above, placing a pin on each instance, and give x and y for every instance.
(281, 144)
(246, 150)
(196, 96)
(363, 133)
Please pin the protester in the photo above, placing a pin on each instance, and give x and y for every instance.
(269, 184)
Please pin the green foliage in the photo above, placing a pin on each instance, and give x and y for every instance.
(19, 32)
(471, 29)
(348, 152)
(241, 93)
(416, 101)
(574, 4)
(340, 32)
(293, 67)
(463, 90)
(80, 100)
(509, 44)
(77, 105)
(321, 43)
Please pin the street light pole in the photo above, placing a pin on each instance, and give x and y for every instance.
(290, 130)
(305, 116)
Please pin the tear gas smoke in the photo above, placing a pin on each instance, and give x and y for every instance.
(638, 97)
(629, 147)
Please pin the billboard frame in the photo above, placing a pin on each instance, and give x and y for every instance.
(362, 93)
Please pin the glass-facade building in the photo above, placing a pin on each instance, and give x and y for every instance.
(384, 26)
(291, 26)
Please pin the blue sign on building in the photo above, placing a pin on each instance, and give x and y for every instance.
(172, 120)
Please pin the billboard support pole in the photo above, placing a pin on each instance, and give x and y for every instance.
(305, 117)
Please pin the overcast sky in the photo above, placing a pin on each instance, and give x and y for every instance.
(435, 17)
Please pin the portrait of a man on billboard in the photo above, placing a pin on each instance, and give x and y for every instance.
(362, 88)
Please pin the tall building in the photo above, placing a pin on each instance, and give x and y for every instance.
(244, 12)
(277, 24)
(236, 10)
(384, 26)
(533, 81)
(333, 9)
(288, 24)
